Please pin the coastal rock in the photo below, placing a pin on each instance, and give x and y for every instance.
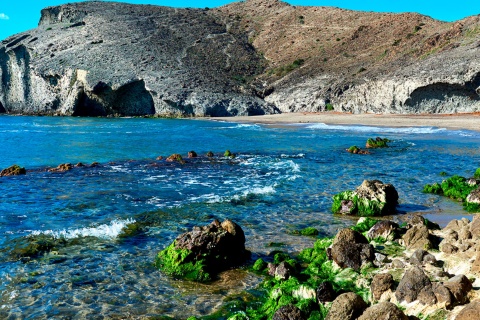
(459, 286)
(413, 282)
(475, 268)
(383, 311)
(201, 253)
(419, 257)
(14, 170)
(475, 227)
(347, 306)
(351, 249)
(442, 294)
(192, 154)
(175, 158)
(62, 168)
(325, 292)
(386, 230)
(379, 191)
(283, 271)
(470, 312)
(417, 237)
(381, 283)
(474, 196)
(289, 312)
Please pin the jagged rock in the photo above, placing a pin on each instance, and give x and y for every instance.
(380, 283)
(201, 253)
(325, 292)
(62, 168)
(289, 312)
(417, 237)
(14, 170)
(283, 271)
(470, 312)
(210, 154)
(419, 257)
(412, 283)
(383, 311)
(459, 286)
(351, 249)
(457, 225)
(443, 295)
(371, 198)
(347, 306)
(384, 229)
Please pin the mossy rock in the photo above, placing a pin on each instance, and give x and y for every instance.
(259, 265)
(477, 174)
(175, 158)
(228, 154)
(377, 143)
(14, 170)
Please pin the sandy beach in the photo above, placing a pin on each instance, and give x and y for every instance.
(469, 121)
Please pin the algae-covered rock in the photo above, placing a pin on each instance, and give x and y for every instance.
(371, 198)
(200, 254)
(377, 143)
(383, 230)
(14, 170)
(175, 157)
(357, 150)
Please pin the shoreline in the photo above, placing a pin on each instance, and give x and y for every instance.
(463, 121)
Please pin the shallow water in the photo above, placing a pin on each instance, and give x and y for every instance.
(282, 179)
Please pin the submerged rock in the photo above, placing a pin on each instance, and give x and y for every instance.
(357, 150)
(200, 254)
(14, 170)
(371, 198)
(175, 157)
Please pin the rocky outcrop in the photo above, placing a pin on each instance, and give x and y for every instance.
(247, 58)
(14, 170)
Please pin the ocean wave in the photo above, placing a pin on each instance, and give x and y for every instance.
(103, 231)
(361, 128)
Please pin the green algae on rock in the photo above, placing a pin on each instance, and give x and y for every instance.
(14, 170)
(200, 254)
(371, 198)
(377, 143)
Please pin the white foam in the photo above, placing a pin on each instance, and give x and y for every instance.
(359, 128)
(103, 231)
(260, 190)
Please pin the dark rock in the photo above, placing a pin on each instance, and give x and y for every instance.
(175, 157)
(383, 311)
(412, 283)
(350, 249)
(289, 312)
(419, 257)
(383, 229)
(283, 271)
(427, 296)
(325, 292)
(442, 294)
(347, 306)
(79, 165)
(417, 237)
(210, 154)
(192, 154)
(381, 282)
(470, 312)
(14, 170)
(459, 286)
(201, 253)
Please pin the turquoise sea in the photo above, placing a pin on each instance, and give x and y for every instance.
(282, 179)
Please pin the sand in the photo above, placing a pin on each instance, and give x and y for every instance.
(465, 121)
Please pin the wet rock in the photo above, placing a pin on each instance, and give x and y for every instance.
(474, 196)
(62, 168)
(283, 271)
(379, 191)
(385, 230)
(203, 252)
(383, 311)
(192, 154)
(419, 257)
(412, 283)
(357, 150)
(289, 312)
(417, 237)
(377, 143)
(79, 165)
(210, 154)
(443, 295)
(159, 158)
(347, 306)
(459, 286)
(227, 153)
(351, 249)
(175, 157)
(470, 312)
(381, 283)
(325, 292)
(14, 170)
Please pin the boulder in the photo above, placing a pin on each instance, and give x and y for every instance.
(14, 170)
(325, 292)
(459, 286)
(448, 248)
(371, 198)
(381, 283)
(383, 311)
(475, 227)
(347, 306)
(443, 295)
(456, 225)
(377, 143)
(200, 254)
(419, 257)
(412, 283)
(351, 249)
(289, 312)
(417, 237)
(357, 150)
(386, 230)
(470, 312)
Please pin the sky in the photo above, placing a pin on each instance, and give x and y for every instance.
(21, 15)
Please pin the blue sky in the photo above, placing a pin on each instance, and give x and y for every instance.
(21, 15)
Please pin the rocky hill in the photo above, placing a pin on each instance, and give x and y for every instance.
(246, 58)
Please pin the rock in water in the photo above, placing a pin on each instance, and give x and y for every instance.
(200, 254)
(14, 170)
(371, 198)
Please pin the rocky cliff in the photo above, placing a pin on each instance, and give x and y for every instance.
(246, 58)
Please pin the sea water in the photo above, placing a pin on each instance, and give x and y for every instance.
(282, 179)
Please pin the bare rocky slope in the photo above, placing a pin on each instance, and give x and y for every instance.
(246, 58)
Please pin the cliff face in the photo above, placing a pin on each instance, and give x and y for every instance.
(251, 57)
